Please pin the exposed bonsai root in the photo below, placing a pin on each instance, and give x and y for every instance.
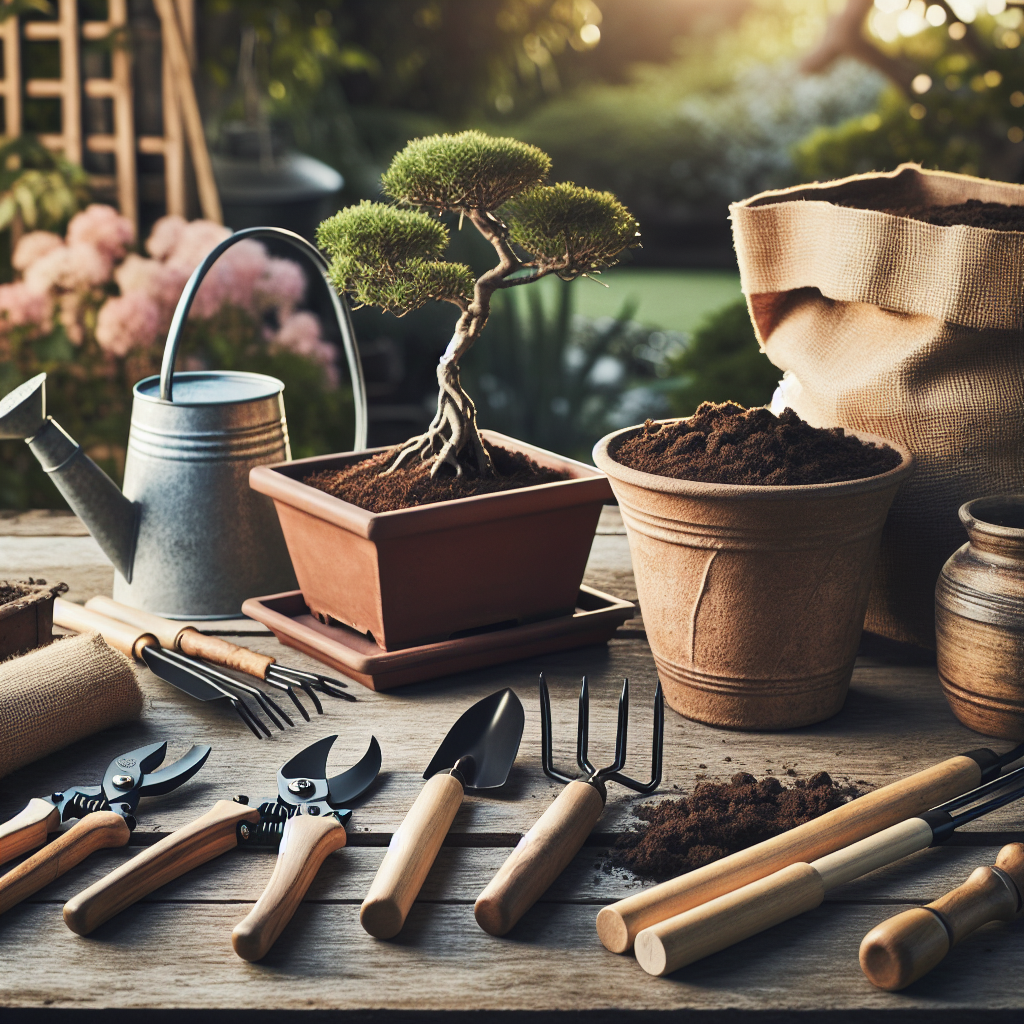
(452, 434)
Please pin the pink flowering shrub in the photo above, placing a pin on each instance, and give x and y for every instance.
(94, 314)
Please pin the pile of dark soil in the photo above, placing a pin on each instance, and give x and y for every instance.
(11, 591)
(727, 444)
(362, 484)
(974, 213)
(719, 819)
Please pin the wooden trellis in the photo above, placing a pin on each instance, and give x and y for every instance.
(71, 88)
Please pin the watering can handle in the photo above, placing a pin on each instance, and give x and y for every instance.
(341, 311)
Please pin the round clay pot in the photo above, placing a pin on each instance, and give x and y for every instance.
(753, 597)
(979, 619)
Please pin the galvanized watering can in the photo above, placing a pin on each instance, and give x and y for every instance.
(188, 538)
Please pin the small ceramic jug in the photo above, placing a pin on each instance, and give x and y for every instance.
(979, 619)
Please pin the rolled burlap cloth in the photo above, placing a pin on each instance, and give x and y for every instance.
(61, 693)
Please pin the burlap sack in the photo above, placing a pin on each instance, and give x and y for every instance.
(62, 693)
(905, 329)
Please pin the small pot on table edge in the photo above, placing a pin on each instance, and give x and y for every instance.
(753, 597)
(418, 575)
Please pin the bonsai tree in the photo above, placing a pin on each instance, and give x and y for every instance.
(391, 255)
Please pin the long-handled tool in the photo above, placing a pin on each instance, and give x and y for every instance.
(906, 947)
(725, 920)
(476, 754)
(106, 813)
(304, 821)
(195, 678)
(545, 851)
(187, 639)
(619, 923)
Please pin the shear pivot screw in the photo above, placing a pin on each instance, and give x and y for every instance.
(123, 781)
(301, 786)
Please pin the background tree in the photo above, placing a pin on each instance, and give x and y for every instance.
(390, 256)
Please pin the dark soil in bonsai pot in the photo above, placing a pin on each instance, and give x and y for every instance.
(363, 485)
(727, 444)
(719, 819)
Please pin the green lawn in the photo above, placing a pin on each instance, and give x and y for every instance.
(674, 300)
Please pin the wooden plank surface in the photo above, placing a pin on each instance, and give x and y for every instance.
(173, 949)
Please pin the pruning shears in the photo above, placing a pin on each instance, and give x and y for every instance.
(106, 816)
(305, 822)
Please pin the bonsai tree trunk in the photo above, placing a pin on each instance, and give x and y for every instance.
(453, 428)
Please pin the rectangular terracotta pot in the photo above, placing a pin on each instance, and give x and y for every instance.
(421, 575)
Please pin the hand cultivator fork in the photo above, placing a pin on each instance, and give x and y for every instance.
(190, 675)
(544, 852)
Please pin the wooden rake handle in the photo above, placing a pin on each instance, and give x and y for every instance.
(194, 844)
(93, 832)
(124, 638)
(187, 639)
(28, 829)
(541, 856)
(306, 842)
(410, 856)
(897, 952)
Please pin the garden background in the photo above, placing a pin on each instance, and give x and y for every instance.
(679, 107)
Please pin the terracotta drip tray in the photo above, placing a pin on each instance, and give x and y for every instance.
(595, 619)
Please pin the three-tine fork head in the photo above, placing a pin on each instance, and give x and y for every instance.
(613, 773)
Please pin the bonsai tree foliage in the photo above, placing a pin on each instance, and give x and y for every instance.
(391, 255)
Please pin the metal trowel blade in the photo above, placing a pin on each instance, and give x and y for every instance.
(489, 732)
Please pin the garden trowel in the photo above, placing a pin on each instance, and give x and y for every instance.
(476, 754)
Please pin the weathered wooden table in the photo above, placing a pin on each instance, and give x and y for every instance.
(173, 951)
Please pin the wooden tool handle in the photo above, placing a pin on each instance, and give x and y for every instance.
(187, 639)
(540, 857)
(897, 952)
(28, 829)
(194, 844)
(703, 930)
(93, 832)
(127, 639)
(163, 629)
(620, 923)
(306, 842)
(410, 856)
(220, 652)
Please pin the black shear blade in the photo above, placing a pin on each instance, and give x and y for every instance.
(171, 777)
(131, 765)
(310, 762)
(349, 785)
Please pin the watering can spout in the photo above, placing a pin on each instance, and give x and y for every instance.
(109, 516)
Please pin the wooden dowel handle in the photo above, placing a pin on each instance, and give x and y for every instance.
(126, 639)
(306, 842)
(541, 856)
(163, 629)
(410, 856)
(701, 931)
(897, 952)
(93, 832)
(194, 844)
(187, 639)
(28, 829)
(620, 923)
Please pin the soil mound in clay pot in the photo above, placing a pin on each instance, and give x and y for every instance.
(727, 444)
(719, 819)
(974, 213)
(364, 485)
